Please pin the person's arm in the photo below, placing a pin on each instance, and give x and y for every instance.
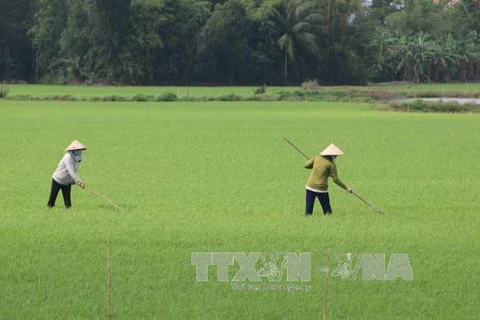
(309, 164)
(68, 160)
(334, 176)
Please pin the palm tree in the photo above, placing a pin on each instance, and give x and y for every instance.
(297, 18)
(384, 44)
(469, 58)
(416, 54)
(445, 59)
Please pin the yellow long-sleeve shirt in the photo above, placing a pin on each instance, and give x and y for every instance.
(322, 168)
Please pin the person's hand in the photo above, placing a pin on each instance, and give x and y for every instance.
(82, 185)
(349, 189)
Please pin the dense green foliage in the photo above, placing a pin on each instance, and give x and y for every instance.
(216, 177)
(238, 42)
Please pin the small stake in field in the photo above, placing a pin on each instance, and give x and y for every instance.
(327, 278)
(104, 198)
(377, 210)
(109, 282)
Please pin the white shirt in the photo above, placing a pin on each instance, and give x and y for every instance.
(66, 171)
(315, 190)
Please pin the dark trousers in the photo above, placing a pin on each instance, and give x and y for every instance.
(322, 197)
(66, 189)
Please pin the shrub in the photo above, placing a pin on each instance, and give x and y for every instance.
(253, 98)
(114, 98)
(283, 96)
(48, 98)
(311, 85)
(417, 105)
(21, 97)
(67, 97)
(451, 107)
(230, 97)
(142, 98)
(437, 106)
(260, 90)
(362, 100)
(4, 90)
(299, 95)
(193, 98)
(167, 96)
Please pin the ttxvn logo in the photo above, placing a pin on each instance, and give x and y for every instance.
(371, 267)
(245, 270)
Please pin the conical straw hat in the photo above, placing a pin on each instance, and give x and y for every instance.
(76, 145)
(332, 150)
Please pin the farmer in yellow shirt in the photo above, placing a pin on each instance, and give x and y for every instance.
(323, 167)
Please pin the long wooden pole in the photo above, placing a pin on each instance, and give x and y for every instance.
(295, 147)
(377, 210)
(104, 198)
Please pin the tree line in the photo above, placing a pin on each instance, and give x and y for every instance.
(239, 42)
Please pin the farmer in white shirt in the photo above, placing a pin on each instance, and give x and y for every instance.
(66, 175)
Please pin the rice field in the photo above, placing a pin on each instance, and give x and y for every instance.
(202, 179)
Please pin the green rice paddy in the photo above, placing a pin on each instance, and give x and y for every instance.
(196, 177)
